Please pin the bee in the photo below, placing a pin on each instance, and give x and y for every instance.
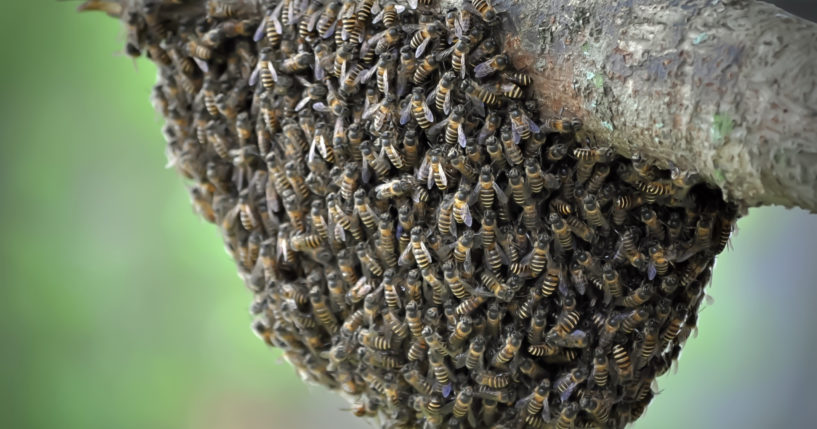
(593, 212)
(454, 128)
(377, 163)
(597, 407)
(442, 372)
(513, 154)
(534, 175)
(417, 249)
(623, 363)
(421, 39)
(410, 148)
(521, 125)
(632, 319)
(538, 323)
(438, 290)
(508, 351)
(608, 331)
(454, 281)
(669, 333)
(497, 63)
(420, 110)
(639, 296)
(567, 383)
(372, 340)
(389, 14)
(478, 94)
(601, 368)
(561, 231)
(659, 264)
(462, 331)
(425, 69)
(485, 9)
(393, 188)
(561, 125)
(489, 189)
(367, 260)
(654, 189)
(416, 380)
(320, 307)
(497, 158)
(600, 173)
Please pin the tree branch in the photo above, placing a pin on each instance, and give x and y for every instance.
(726, 88)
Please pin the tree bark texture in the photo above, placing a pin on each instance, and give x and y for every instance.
(726, 88)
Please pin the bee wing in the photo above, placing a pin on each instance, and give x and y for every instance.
(443, 177)
(500, 195)
(445, 53)
(429, 115)
(274, 16)
(320, 107)
(379, 16)
(402, 83)
(254, 76)
(386, 81)
(318, 70)
(365, 75)
(301, 104)
(447, 103)
(652, 271)
(422, 47)
(340, 233)
(368, 113)
(461, 136)
(365, 172)
(291, 11)
(466, 216)
(259, 32)
(406, 257)
(313, 20)
(515, 133)
(330, 31)
(272, 70)
(431, 96)
(533, 127)
(405, 114)
(413, 4)
(483, 69)
(436, 128)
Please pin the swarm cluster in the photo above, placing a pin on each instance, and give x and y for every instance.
(414, 235)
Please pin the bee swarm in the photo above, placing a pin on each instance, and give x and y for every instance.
(414, 236)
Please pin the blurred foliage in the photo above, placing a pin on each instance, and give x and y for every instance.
(120, 308)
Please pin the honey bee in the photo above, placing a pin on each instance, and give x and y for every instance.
(389, 14)
(632, 319)
(561, 125)
(462, 331)
(601, 368)
(442, 372)
(562, 232)
(478, 95)
(415, 379)
(513, 154)
(420, 110)
(425, 68)
(421, 39)
(509, 350)
(568, 382)
(497, 63)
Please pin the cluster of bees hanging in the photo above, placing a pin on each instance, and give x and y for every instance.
(413, 235)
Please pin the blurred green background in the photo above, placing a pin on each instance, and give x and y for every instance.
(121, 309)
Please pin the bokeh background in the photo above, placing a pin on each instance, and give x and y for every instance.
(119, 307)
